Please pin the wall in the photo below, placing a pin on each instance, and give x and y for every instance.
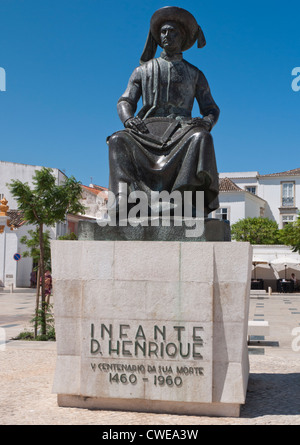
(10, 263)
(24, 266)
(235, 203)
(8, 266)
(9, 171)
(270, 190)
(23, 172)
(253, 206)
(94, 201)
(241, 205)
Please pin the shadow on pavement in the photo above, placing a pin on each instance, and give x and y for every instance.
(272, 394)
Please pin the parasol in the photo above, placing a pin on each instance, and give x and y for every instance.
(284, 262)
(258, 260)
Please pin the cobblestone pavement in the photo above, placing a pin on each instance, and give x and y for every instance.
(273, 396)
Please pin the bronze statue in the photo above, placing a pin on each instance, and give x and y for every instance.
(163, 147)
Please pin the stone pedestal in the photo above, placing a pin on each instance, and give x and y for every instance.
(152, 326)
(158, 229)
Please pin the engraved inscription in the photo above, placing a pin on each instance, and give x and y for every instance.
(121, 346)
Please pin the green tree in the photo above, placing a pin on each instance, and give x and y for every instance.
(290, 235)
(45, 205)
(256, 231)
(69, 237)
(33, 244)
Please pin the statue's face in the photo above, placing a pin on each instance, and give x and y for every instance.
(171, 37)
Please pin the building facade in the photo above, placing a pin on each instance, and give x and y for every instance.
(94, 198)
(276, 196)
(237, 203)
(18, 271)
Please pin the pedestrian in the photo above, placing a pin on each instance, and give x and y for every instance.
(295, 282)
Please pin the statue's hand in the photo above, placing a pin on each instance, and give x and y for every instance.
(135, 123)
(198, 121)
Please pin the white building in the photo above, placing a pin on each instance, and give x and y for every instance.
(94, 198)
(276, 196)
(237, 203)
(11, 270)
(17, 272)
(10, 171)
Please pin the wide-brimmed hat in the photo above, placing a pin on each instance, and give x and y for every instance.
(178, 15)
(185, 19)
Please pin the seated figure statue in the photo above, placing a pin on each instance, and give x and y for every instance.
(163, 147)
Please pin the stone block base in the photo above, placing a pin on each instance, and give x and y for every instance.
(138, 405)
(158, 229)
(152, 326)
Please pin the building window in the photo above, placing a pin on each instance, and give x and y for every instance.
(251, 189)
(286, 219)
(288, 194)
(1, 196)
(222, 213)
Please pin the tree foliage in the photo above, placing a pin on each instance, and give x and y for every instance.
(46, 204)
(290, 235)
(69, 237)
(32, 243)
(256, 231)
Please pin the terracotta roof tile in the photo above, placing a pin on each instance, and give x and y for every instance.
(90, 189)
(294, 172)
(99, 187)
(16, 218)
(96, 190)
(226, 185)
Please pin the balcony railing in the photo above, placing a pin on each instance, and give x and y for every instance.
(287, 202)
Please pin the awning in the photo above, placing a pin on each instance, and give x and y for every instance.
(258, 260)
(284, 262)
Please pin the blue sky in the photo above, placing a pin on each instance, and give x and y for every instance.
(68, 61)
